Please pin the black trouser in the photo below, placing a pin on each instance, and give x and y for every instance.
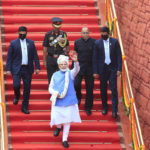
(110, 75)
(26, 77)
(51, 67)
(89, 81)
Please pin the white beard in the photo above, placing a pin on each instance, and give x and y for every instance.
(64, 70)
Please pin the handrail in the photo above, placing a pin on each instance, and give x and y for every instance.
(2, 128)
(1, 110)
(4, 137)
(134, 127)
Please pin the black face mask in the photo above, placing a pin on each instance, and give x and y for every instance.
(22, 36)
(104, 37)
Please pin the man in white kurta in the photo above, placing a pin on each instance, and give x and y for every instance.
(64, 101)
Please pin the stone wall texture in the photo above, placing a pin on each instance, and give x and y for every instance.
(134, 23)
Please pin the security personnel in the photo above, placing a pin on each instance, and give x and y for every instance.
(21, 57)
(55, 43)
(84, 47)
(107, 63)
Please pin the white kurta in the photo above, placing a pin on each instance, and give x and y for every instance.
(61, 114)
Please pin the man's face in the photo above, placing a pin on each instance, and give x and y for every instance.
(85, 33)
(23, 32)
(56, 28)
(104, 35)
(22, 35)
(63, 65)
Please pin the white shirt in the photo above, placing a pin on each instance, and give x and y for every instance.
(24, 52)
(107, 51)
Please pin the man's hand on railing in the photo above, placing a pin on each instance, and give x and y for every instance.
(8, 72)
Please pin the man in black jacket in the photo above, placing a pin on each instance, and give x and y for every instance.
(84, 48)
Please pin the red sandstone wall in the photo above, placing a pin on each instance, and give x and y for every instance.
(134, 23)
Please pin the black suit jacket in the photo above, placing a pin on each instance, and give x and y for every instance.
(85, 52)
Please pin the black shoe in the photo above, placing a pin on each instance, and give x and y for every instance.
(57, 131)
(65, 144)
(88, 112)
(104, 111)
(16, 95)
(26, 111)
(15, 102)
(114, 115)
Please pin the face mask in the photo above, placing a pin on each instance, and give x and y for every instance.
(22, 36)
(104, 37)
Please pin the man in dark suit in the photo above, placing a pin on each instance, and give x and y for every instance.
(84, 47)
(107, 62)
(21, 55)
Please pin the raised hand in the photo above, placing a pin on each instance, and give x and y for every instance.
(74, 56)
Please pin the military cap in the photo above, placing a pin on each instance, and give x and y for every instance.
(56, 21)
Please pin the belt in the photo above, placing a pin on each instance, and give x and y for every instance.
(52, 55)
(24, 65)
(107, 65)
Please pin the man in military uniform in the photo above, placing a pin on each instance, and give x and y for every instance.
(55, 43)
